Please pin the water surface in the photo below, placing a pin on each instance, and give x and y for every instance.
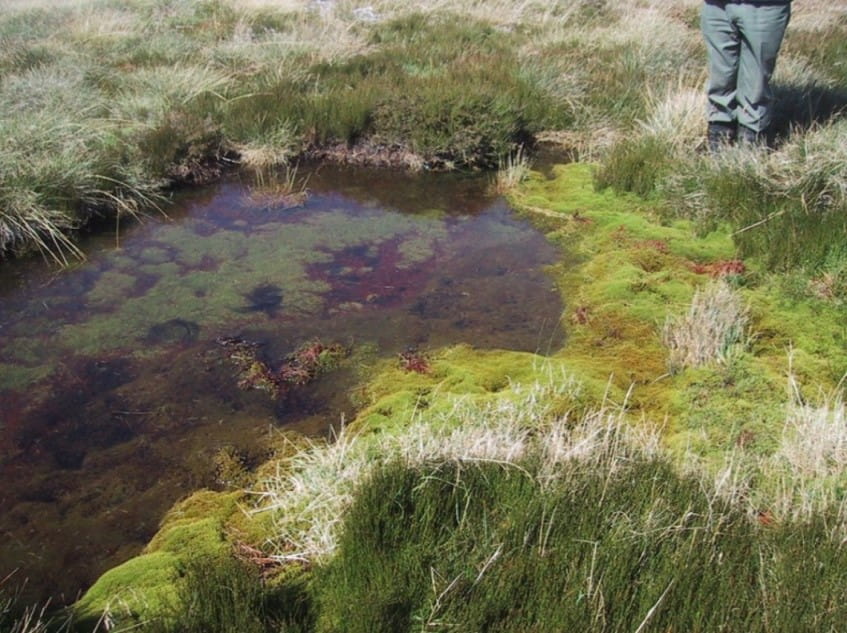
(116, 397)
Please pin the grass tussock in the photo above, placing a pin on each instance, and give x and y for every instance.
(511, 172)
(713, 329)
(808, 471)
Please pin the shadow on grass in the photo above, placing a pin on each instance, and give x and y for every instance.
(801, 107)
(483, 547)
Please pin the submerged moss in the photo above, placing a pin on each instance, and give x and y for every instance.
(218, 270)
(16, 377)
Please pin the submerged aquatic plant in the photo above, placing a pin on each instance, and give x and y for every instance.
(413, 360)
(310, 360)
(265, 298)
(300, 367)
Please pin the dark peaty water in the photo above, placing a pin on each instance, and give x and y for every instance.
(115, 397)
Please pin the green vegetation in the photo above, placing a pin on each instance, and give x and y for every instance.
(104, 105)
(680, 465)
(653, 472)
(488, 547)
(508, 516)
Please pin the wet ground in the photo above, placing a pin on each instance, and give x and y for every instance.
(117, 398)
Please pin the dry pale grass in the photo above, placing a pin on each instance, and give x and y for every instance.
(511, 172)
(277, 186)
(676, 119)
(714, 327)
(809, 468)
(92, 23)
(26, 5)
(815, 15)
(805, 477)
(310, 491)
(275, 151)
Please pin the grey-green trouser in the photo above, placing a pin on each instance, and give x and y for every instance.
(742, 39)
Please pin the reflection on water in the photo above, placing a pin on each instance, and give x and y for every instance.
(115, 396)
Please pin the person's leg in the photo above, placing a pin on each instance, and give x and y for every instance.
(762, 29)
(723, 43)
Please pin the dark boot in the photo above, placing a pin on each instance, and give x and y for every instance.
(720, 135)
(750, 137)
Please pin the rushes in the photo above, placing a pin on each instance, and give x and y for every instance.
(482, 546)
(15, 618)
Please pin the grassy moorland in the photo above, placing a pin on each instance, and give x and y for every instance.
(680, 465)
(105, 104)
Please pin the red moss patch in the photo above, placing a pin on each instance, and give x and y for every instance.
(581, 315)
(414, 361)
(656, 245)
(721, 268)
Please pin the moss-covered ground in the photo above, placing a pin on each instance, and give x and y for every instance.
(636, 270)
(488, 543)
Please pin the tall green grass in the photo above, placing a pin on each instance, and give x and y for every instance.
(785, 207)
(614, 538)
(485, 547)
(447, 89)
(789, 207)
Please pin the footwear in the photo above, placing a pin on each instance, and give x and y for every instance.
(750, 137)
(719, 135)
